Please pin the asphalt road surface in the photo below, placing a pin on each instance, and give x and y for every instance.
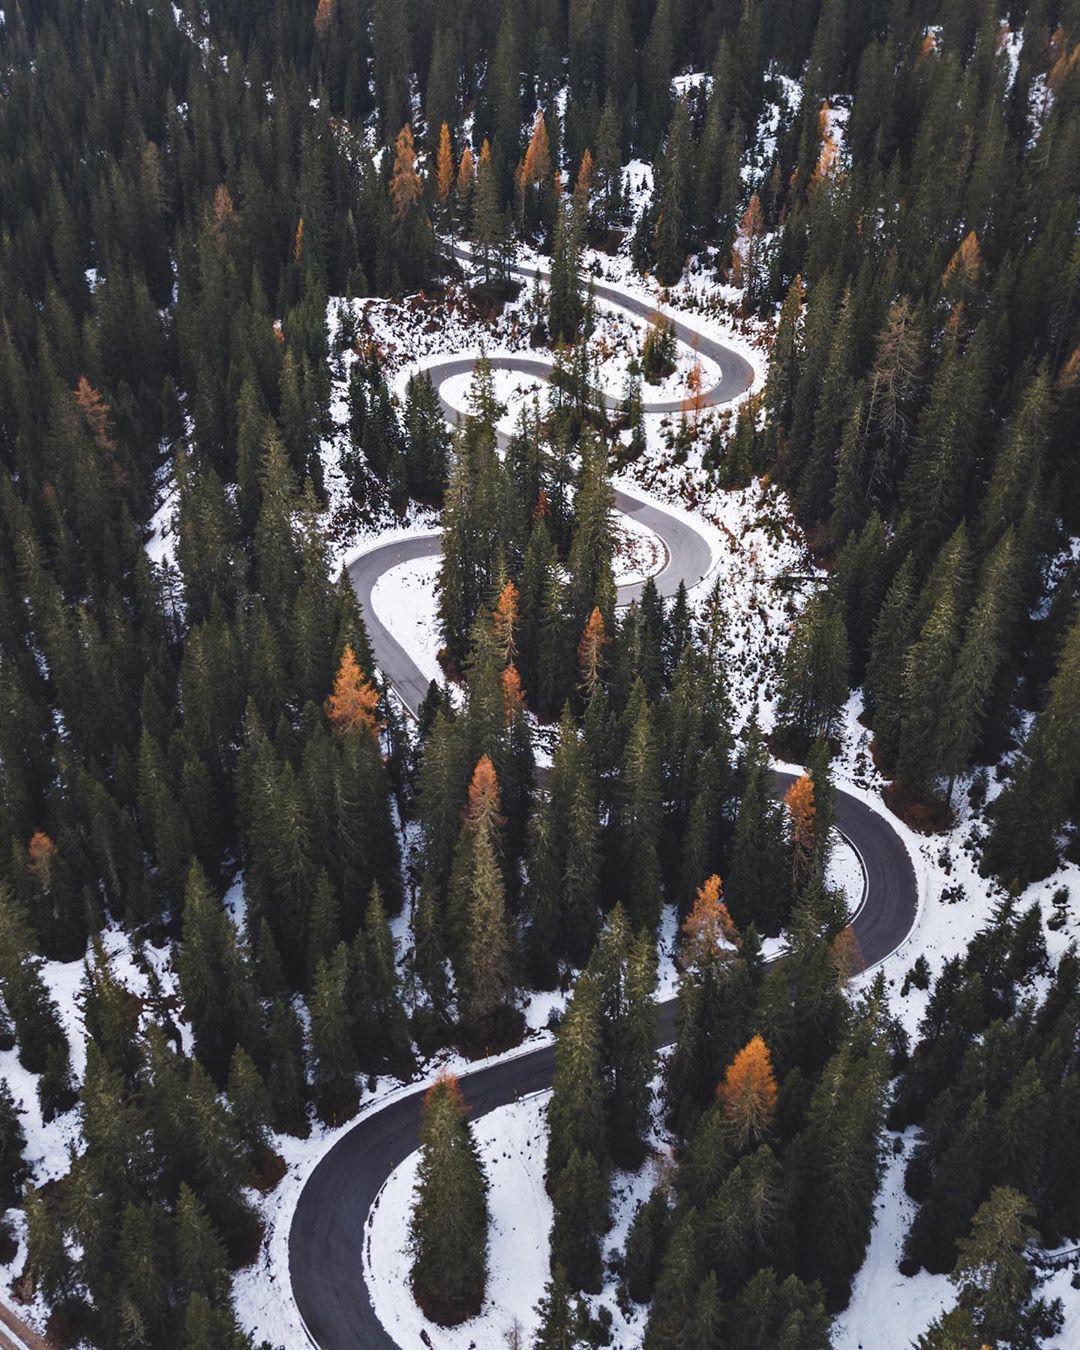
(326, 1238)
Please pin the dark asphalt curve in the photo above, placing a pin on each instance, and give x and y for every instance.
(688, 558)
(327, 1233)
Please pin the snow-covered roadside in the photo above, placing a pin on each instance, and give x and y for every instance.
(888, 1310)
(512, 1141)
(406, 600)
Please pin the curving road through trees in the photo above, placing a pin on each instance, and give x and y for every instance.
(327, 1234)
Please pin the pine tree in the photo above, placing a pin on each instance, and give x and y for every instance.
(557, 1319)
(249, 1101)
(757, 880)
(214, 981)
(837, 1158)
(577, 1110)
(286, 1079)
(13, 1168)
(893, 632)
(201, 1258)
(490, 227)
(995, 1282)
(581, 1215)
(47, 1259)
(565, 306)
(383, 992)
(987, 629)
(638, 822)
(449, 1225)
(334, 1071)
(928, 673)
(1033, 805)
(813, 683)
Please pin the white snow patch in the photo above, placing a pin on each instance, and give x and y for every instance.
(406, 600)
(512, 1141)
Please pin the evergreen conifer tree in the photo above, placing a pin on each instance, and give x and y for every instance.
(449, 1224)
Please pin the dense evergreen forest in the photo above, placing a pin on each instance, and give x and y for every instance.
(183, 189)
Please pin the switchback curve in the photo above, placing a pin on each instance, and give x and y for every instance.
(327, 1234)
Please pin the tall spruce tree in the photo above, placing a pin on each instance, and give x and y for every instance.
(449, 1224)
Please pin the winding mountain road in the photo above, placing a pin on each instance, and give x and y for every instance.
(326, 1239)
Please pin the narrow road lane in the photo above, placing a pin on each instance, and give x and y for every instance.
(327, 1234)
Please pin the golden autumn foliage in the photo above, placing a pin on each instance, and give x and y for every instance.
(536, 166)
(753, 221)
(751, 227)
(324, 17)
(708, 930)
(466, 174)
(406, 189)
(965, 266)
(444, 165)
(826, 166)
(95, 413)
(223, 215)
(513, 694)
(584, 183)
(1069, 375)
(446, 1085)
(694, 400)
(298, 241)
(40, 853)
(827, 159)
(591, 650)
(1063, 61)
(484, 803)
(748, 1093)
(846, 954)
(352, 705)
(799, 801)
(466, 170)
(504, 622)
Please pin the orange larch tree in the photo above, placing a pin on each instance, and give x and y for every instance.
(466, 174)
(799, 801)
(444, 167)
(406, 189)
(708, 931)
(504, 622)
(960, 279)
(40, 853)
(513, 694)
(591, 651)
(352, 705)
(484, 804)
(324, 17)
(846, 954)
(95, 412)
(748, 1094)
